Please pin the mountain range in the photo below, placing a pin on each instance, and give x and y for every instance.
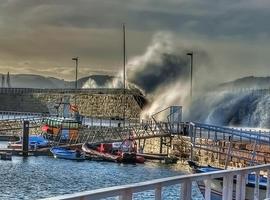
(37, 81)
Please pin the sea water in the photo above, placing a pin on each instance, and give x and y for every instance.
(44, 176)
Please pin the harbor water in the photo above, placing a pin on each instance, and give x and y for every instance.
(40, 177)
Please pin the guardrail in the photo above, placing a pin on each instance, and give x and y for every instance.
(68, 90)
(237, 176)
(221, 131)
(14, 115)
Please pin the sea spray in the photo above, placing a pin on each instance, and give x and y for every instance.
(232, 108)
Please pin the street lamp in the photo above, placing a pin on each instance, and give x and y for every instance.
(124, 73)
(76, 78)
(191, 69)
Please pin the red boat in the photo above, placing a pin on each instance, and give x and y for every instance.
(121, 152)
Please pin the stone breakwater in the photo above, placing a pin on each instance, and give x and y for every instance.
(95, 103)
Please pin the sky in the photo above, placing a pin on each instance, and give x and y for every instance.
(41, 36)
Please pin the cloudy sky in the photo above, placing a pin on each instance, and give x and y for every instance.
(41, 36)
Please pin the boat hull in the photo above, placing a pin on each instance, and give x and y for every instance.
(217, 184)
(35, 141)
(126, 157)
(67, 154)
(216, 190)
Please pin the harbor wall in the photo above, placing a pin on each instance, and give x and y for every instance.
(93, 103)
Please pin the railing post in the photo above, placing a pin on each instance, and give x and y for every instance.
(126, 195)
(240, 186)
(207, 194)
(158, 192)
(227, 190)
(256, 189)
(268, 184)
(186, 190)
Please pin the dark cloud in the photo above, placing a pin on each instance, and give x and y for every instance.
(47, 33)
(209, 17)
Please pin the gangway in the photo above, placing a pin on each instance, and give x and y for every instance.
(246, 146)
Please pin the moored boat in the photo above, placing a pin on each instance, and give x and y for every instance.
(63, 153)
(121, 152)
(216, 184)
(35, 141)
(64, 129)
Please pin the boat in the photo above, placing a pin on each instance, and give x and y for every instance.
(5, 156)
(216, 184)
(69, 154)
(61, 128)
(35, 142)
(121, 152)
(200, 168)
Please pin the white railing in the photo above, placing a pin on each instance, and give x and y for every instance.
(237, 176)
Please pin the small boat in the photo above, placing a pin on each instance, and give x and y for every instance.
(35, 141)
(121, 152)
(216, 184)
(5, 156)
(63, 153)
(200, 168)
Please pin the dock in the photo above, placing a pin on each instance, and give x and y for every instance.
(19, 152)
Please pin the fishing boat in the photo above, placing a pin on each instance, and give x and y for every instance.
(216, 184)
(35, 141)
(63, 153)
(62, 128)
(121, 152)
(65, 126)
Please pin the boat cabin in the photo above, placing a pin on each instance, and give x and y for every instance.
(66, 128)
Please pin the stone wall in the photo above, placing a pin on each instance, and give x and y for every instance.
(22, 103)
(95, 104)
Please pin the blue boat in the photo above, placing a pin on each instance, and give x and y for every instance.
(63, 153)
(35, 141)
(216, 189)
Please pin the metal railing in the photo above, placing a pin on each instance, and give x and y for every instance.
(68, 90)
(228, 189)
(221, 132)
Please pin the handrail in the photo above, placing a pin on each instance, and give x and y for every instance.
(67, 90)
(253, 135)
(126, 191)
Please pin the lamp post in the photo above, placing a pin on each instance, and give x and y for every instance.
(191, 70)
(124, 73)
(76, 76)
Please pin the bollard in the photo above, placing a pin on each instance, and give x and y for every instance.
(25, 144)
